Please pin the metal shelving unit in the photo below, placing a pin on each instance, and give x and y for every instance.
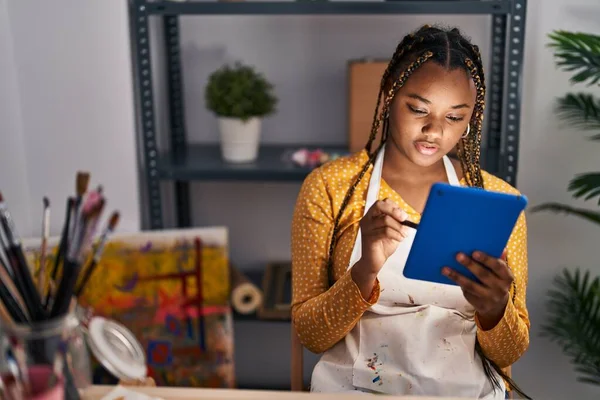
(184, 163)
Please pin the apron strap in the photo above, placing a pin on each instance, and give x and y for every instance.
(451, 172)
(375, 182)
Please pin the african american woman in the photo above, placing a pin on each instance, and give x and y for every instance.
(377, 331)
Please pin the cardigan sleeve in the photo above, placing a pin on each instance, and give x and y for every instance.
(322, 315)
(506, 342)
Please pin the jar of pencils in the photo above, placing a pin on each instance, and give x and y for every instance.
(47, 359)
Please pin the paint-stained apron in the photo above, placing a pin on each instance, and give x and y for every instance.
(418, 339)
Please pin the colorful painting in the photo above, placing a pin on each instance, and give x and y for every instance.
(171, 289)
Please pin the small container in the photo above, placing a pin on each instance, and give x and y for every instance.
(56, 349)
(61, 347)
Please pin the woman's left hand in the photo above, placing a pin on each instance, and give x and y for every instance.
(489, 298)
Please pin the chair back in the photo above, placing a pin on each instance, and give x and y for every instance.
(297, 361)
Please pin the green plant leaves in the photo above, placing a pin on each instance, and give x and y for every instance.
(574, 300)
(239, 91)
(574, 321)
(579, 53)
(586, 185)
(589, 215)
(581, 110)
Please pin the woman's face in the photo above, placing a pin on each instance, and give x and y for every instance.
(430, 113)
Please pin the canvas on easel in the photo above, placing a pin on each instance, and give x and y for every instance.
(171, 289)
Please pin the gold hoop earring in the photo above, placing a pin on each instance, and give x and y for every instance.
(467, 132)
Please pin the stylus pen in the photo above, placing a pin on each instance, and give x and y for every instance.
(410, 224)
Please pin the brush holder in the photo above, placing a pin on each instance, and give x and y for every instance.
(57, 345)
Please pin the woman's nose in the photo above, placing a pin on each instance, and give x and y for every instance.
(433, 128)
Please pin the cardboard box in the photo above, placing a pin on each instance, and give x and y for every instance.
(364, 79)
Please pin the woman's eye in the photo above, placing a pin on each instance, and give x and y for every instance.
(420, 111)
(416, 110)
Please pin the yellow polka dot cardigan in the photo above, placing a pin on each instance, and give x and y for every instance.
(323, 315)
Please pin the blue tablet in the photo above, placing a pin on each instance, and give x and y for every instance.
(460, 219)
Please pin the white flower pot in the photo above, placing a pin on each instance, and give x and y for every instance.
(239, 140)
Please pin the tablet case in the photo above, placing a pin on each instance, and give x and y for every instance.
(460, 219)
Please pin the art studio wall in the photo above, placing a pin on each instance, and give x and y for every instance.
(68, 106)
(65, 76)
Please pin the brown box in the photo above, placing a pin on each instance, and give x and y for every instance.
(277, 289)
(364, 79)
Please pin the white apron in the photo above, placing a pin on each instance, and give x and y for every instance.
(419, 339)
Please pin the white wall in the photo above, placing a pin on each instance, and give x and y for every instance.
(73, 83)
(70, 62)
(13, 165)
(550, 155)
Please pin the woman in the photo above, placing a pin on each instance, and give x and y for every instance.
(378, 331)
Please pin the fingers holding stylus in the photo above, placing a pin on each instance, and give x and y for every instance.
(386, 214)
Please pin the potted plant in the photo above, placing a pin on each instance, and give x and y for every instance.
(240, 97)
(574, 301)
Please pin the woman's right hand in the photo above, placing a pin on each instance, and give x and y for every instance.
(381, 232)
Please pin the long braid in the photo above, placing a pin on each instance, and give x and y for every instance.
(476, 69)
(403, 47)
(440, 46)
(470, 154)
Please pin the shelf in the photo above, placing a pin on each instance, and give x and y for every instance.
(507, 36)
(256, 277)
(163, 7)
(204, 162)
(237, 317)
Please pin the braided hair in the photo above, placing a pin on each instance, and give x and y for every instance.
(450, 49)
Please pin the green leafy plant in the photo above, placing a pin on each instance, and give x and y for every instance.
(239, 91)
(579, 53)
(574, 322)
(574, 300)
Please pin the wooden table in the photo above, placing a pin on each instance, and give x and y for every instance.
(172, 393)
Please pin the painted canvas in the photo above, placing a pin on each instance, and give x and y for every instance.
(171, 289)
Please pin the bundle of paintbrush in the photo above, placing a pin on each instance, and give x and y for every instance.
(22, 302)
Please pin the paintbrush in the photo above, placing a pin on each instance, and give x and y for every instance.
(11, 305)
(12, 294)
(5, 317)
(7, 281)
(98, 249)
(62, 247)
(12, 308)
(22, 274)
(93, 198)
(45, 234)
(81, 184)
(4, 260)
(74, 259)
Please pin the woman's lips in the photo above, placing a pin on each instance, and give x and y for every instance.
(426, 148)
